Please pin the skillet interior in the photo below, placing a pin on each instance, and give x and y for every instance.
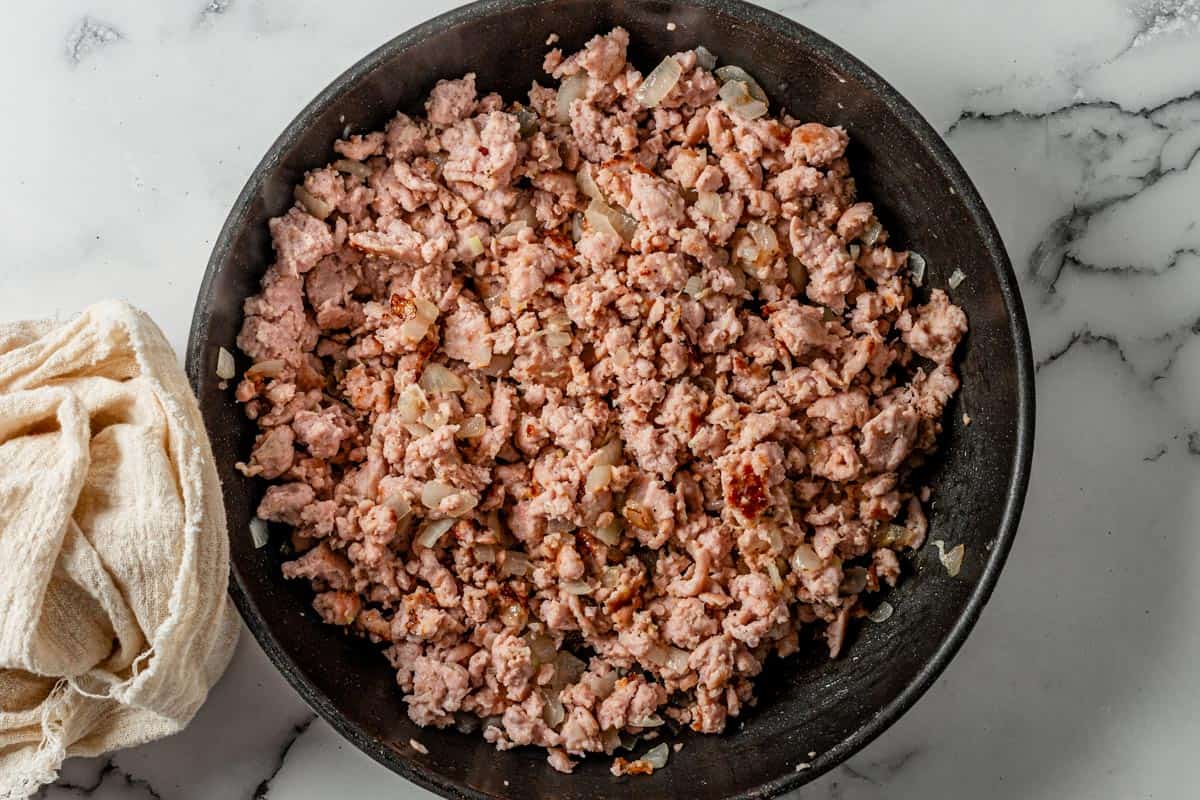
(806, 703)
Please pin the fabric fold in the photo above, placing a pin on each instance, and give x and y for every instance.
(114, 616)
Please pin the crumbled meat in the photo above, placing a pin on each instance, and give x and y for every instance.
(887, 439)
(936, 329)
(301, 240)
(451, 101)
(581, 418)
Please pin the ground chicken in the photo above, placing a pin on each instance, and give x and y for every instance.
(579, 417)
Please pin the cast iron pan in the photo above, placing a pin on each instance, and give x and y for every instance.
(806, 703)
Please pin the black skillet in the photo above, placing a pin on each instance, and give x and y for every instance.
(806, 703)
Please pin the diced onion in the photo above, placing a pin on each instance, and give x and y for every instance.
(599, 477)
(485, 554)
(466, 503)
(258, 532)
(652, 721)
(764, 236)
(434, 419)
(659, 83)
(416, 429)
(350, 167)
(956, 278)
(543, 649)
(432, 532)
(571, 89)
(399, 506)
(740, 100)
(854, 250)
(709, 204)
(893, 535)
(475, 246)
(775, 536)
(745, 249)
(805, 558)
(499, 365)
(514, 563)
(601, 685)
(657, 654)
(265, 369)
(916, 263)
(526, 212)
(610, 577)
(855, 581)
(576, 587)
(425, 309)
(560, 525)
(609, 534)
(598, 220)
(603, 217)
(872, 232)
(411, 403)
(677, 660)
(314, 205)
(705, 58)
(610, 739)
(883, 613)
(414, 330)
(405, 525)
(472, 427)
(437, 379)
(476, 395)
(557, 321)
(952, 560)
(694, 286)
(558, 339)
(734, 73)
(587, 184)
(492, 520)
(554, 713)
(609, 454)
(514, 615)
(425, 313)
(773, 572)
(567, 669)
(434, 492)
(657, 756)
(226, 368)
(512, 229)
(755, 247)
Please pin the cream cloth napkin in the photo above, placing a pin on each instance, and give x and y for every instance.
(114, 562)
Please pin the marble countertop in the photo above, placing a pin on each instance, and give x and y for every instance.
(131, 126)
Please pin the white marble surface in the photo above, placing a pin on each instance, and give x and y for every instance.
(130, 126)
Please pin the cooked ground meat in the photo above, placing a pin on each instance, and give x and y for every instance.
(581, 409)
